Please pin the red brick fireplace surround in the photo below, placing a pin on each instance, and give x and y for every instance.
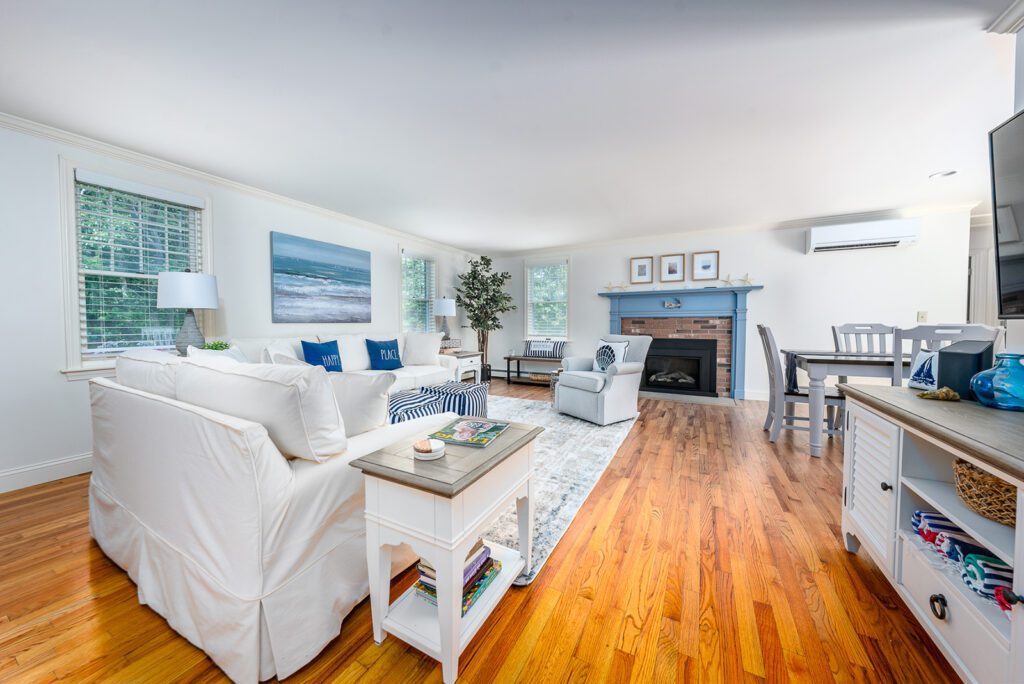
(718, 328)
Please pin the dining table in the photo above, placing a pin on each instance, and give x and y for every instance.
(821, 364)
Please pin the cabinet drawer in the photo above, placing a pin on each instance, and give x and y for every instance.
(965, 632)
(470, 362)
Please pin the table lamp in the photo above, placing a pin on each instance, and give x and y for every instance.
(443, 308)
(191, 291)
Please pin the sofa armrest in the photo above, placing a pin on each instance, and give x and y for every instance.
(449, 362)
(625, 368)
(578, 363)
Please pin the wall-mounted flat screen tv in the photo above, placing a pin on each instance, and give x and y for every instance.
(1006, 146)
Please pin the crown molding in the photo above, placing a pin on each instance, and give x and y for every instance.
(16, 123)
(1010, 21)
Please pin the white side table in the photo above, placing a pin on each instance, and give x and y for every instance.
(440, 508)
(469, 361)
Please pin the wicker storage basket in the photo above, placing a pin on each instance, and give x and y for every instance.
(985, 494)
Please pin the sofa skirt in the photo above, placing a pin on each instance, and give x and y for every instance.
(250, 638)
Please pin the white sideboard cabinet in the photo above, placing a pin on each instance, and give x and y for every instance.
(898, 458)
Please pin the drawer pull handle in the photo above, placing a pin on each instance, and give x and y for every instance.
(1006, 598)
(886, 486)
(937, 602)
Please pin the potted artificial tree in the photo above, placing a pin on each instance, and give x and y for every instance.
(481, 294)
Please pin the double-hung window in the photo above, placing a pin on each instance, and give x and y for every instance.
(419, 288)
(547, 298)
(124, 237)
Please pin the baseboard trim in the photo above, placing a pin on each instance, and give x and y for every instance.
(47, 471)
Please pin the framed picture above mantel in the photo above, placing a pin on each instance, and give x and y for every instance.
(705, 265)
(641, 270)
(673, 267)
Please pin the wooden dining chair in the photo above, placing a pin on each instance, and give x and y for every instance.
(780, 402)
(933, 338)
(872, 338)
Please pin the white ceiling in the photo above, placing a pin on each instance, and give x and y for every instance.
(498, 125)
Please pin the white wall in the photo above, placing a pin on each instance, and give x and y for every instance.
(44, 417)
(803, 294)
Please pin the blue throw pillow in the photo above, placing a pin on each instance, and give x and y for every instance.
(384, 354)
(324, 354)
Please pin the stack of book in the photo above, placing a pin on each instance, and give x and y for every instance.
(478, 573)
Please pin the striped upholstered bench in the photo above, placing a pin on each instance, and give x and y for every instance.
(403, 406)
(463, 398)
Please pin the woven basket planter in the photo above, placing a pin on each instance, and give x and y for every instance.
(985, 494)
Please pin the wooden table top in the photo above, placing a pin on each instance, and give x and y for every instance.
(852, 358)
(463, 354)
(460, 466)
(991, 435)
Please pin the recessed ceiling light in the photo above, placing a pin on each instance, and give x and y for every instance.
(941, 174)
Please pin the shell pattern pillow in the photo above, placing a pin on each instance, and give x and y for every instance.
(609, 353)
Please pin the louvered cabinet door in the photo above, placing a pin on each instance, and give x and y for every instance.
(873, 446)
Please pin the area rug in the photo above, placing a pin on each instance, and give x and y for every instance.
(569, 458)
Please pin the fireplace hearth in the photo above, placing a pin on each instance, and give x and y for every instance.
(681, 366)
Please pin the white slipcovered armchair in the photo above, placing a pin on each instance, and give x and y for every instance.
(603, 397)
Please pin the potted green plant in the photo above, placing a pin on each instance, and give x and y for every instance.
(481, 294)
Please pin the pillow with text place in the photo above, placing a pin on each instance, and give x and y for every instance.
(384, 354)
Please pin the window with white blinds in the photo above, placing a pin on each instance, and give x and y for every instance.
(124, 241)
(547, 299)
(419, 288)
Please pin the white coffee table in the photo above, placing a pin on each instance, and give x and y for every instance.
(440, 509)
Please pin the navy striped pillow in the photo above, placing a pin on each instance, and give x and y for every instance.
(544, 349)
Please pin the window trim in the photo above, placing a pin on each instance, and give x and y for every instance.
(409, 254)
(547, 261)
(75, 367)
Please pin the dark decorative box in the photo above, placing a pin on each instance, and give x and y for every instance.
(961, 361)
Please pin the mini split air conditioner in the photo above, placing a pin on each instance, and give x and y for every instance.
(867, 235)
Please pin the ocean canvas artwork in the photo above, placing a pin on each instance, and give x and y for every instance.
(318, 282)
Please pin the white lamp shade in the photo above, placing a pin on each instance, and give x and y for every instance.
(444, 307)
(184, 290)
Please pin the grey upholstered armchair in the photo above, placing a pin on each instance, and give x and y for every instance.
(603, 397)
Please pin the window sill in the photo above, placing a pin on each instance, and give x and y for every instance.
(88, 373)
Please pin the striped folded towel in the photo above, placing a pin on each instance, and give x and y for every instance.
(929, 524)
(955, 546)
(982, 574)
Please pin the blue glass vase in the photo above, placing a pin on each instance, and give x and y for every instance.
(1001, 386)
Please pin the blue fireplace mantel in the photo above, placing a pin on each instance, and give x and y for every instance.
(708, 301)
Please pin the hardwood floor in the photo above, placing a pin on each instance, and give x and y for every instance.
(703, 554)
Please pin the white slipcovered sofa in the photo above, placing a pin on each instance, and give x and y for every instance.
(253, 556)
(426, 366)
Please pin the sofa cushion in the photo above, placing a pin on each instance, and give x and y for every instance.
(425, 376)
(384, 354)
(149, 370)
(352, 348)
(295, 404)
(421, 349)
(362, 399)
(287, 347)
(285, 360)
(234, 353)
(588, 381)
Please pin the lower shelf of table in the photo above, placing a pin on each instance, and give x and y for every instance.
(414, 620)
